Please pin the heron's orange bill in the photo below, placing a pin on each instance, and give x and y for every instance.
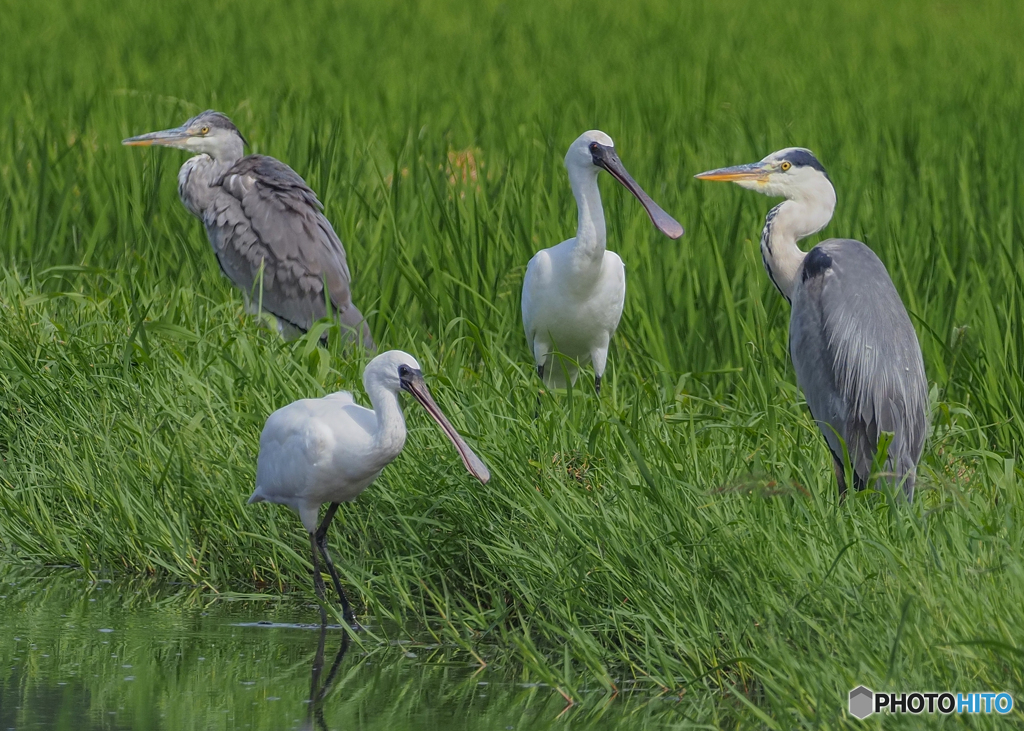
(164, 138)
(753, 171)
(419, 390)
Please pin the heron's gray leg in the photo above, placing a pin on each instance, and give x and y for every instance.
(840, 476)
(318, 580)
(321, 541)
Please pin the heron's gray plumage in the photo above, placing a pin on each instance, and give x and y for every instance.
(858, 361)
(854, 349)
(261, 213)
(262, 218)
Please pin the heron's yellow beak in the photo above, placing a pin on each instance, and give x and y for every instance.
(164, 138)
(755, 171)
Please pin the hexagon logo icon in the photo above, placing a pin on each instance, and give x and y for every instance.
(861, 702)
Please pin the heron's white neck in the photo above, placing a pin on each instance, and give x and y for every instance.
(195, 179)
(805, 213)
(230, 152)
(590, 231)
(389, 437)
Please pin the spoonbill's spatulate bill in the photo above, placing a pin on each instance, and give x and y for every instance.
(854, 350)
(573, 292)
(328, 450)
(263, 221)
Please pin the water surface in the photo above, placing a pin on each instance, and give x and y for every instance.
(88, 655)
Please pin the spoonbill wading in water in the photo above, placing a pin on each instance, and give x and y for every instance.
(328, 450)
(854, 350)
(573, 292)
(262, 220)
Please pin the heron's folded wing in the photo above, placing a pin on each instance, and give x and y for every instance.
(857, 357)
(281, 226)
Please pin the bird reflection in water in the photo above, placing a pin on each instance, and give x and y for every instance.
(317, 692)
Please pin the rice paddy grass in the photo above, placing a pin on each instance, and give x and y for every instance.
(679, 535)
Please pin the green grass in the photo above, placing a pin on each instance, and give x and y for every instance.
(681, 533)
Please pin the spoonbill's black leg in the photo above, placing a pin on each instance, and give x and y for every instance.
(318, 580)
(321, 542)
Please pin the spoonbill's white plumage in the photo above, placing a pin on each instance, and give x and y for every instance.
(328, 450)
(573, 292)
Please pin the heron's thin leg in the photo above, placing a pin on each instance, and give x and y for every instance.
(840, 476)
(597, 384)
(321, 541)
(318, 580)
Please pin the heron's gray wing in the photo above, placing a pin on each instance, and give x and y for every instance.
(857, 357)
(267, 216)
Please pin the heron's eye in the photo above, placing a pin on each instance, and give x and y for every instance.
(593, 147)
(786, 166)
(403, 371)
(204, 130)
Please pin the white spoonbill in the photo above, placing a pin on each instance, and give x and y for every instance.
(573, 293)
(328, 450)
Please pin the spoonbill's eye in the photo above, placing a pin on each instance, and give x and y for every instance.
(786, 166)
(204, 130)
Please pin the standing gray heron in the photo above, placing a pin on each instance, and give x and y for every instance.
(854, 350)
(262, 220)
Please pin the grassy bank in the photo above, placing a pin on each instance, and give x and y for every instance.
(681, 532)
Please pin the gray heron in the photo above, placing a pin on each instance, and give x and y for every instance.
(573, 293)
(263, 221)
(855, 353)
(330, 449)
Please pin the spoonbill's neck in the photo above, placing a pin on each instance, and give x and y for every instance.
(786, 224)
(389, 437)
(590, 231)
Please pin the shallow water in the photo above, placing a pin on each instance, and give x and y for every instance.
(83, 655)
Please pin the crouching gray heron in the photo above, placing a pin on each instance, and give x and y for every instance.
(263, 221)
(854, 350)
